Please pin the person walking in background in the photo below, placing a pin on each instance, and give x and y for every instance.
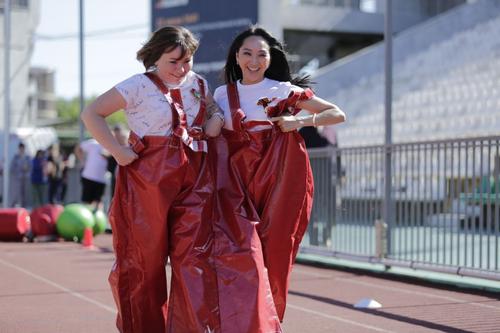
(39, 174)
(93, 177)
(20, 169)
(68, 163)
(163, 201)
(261, 154)
(55, 167)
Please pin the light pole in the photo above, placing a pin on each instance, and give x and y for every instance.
(6, 100)
(388, 204)
(82, 72)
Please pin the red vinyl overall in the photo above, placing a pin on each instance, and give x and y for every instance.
(271, 170)
(163, 207)
(245, 297)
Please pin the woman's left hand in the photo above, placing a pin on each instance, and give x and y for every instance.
(213, 126)
(286, 123)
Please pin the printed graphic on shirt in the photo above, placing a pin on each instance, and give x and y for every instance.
(254, 99)
(148, 112)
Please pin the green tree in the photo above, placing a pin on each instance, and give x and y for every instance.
(68, 110)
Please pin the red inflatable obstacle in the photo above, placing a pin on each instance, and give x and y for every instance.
(43, 220)
(14, 224)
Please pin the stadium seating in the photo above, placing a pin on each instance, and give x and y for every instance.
(448, 90)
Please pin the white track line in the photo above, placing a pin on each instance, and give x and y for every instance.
(325, 315)
(60, 287)
(320, 275)
(392, 289)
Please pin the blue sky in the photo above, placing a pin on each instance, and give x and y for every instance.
(109, 54)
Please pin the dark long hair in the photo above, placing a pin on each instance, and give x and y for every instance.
(278, 70)
(166, 39)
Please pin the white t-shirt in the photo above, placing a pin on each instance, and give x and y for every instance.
(147, 110)
(96, 164)
(249, 96)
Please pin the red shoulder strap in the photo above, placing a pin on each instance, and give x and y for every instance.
(200, 118)
(178, 119)
(237, 115)
(157, 81)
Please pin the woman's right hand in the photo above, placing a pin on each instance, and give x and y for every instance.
(125, 155)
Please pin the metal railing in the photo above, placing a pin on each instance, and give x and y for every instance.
(446, 206)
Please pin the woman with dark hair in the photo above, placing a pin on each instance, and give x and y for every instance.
(39, 179)
(163, 201)
(262, 160)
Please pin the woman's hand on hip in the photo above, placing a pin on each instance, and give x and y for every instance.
(125, 155)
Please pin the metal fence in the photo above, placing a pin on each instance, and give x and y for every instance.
(445, 206)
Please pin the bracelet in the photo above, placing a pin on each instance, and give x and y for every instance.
(314, 119)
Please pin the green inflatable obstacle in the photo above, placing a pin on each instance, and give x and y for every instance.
(101, 222)
(73, 221)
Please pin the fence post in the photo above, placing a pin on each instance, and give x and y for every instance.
(380, 239)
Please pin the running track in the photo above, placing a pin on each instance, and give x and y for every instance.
(60, 287)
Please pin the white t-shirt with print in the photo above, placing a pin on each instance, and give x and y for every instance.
(249, 95)
(96, 165)
(147, 110)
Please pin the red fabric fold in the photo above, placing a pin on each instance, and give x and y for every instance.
(289, 104)
(268, 173)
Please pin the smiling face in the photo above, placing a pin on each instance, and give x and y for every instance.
(172, 67)
(254, 59)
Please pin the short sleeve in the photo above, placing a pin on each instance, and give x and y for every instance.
(129, 89)
(219, 93)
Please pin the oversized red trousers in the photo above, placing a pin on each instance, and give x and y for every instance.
(245, 297)
(163, 206)
(271, 169)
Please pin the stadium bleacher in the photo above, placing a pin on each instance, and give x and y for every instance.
(448, 89)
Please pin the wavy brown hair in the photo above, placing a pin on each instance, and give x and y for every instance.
(164, 40)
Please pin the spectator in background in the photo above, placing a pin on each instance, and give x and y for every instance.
(1, 174)
(20, 172)
(55, 167)
(39, 173)
(93, 177)
(312, 138)
(69, 163)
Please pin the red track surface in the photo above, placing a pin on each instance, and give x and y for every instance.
(62, 288)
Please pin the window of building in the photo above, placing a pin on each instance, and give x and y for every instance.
(14, 4)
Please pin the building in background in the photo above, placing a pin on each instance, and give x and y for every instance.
(445, 81)
(32, 99)
(32, 104)
(214, 22)
(42, 99)
(316, 32)
(24, 18)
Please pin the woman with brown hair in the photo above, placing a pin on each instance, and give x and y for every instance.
(163, 201)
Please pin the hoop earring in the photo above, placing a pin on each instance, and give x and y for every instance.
(152, 68)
